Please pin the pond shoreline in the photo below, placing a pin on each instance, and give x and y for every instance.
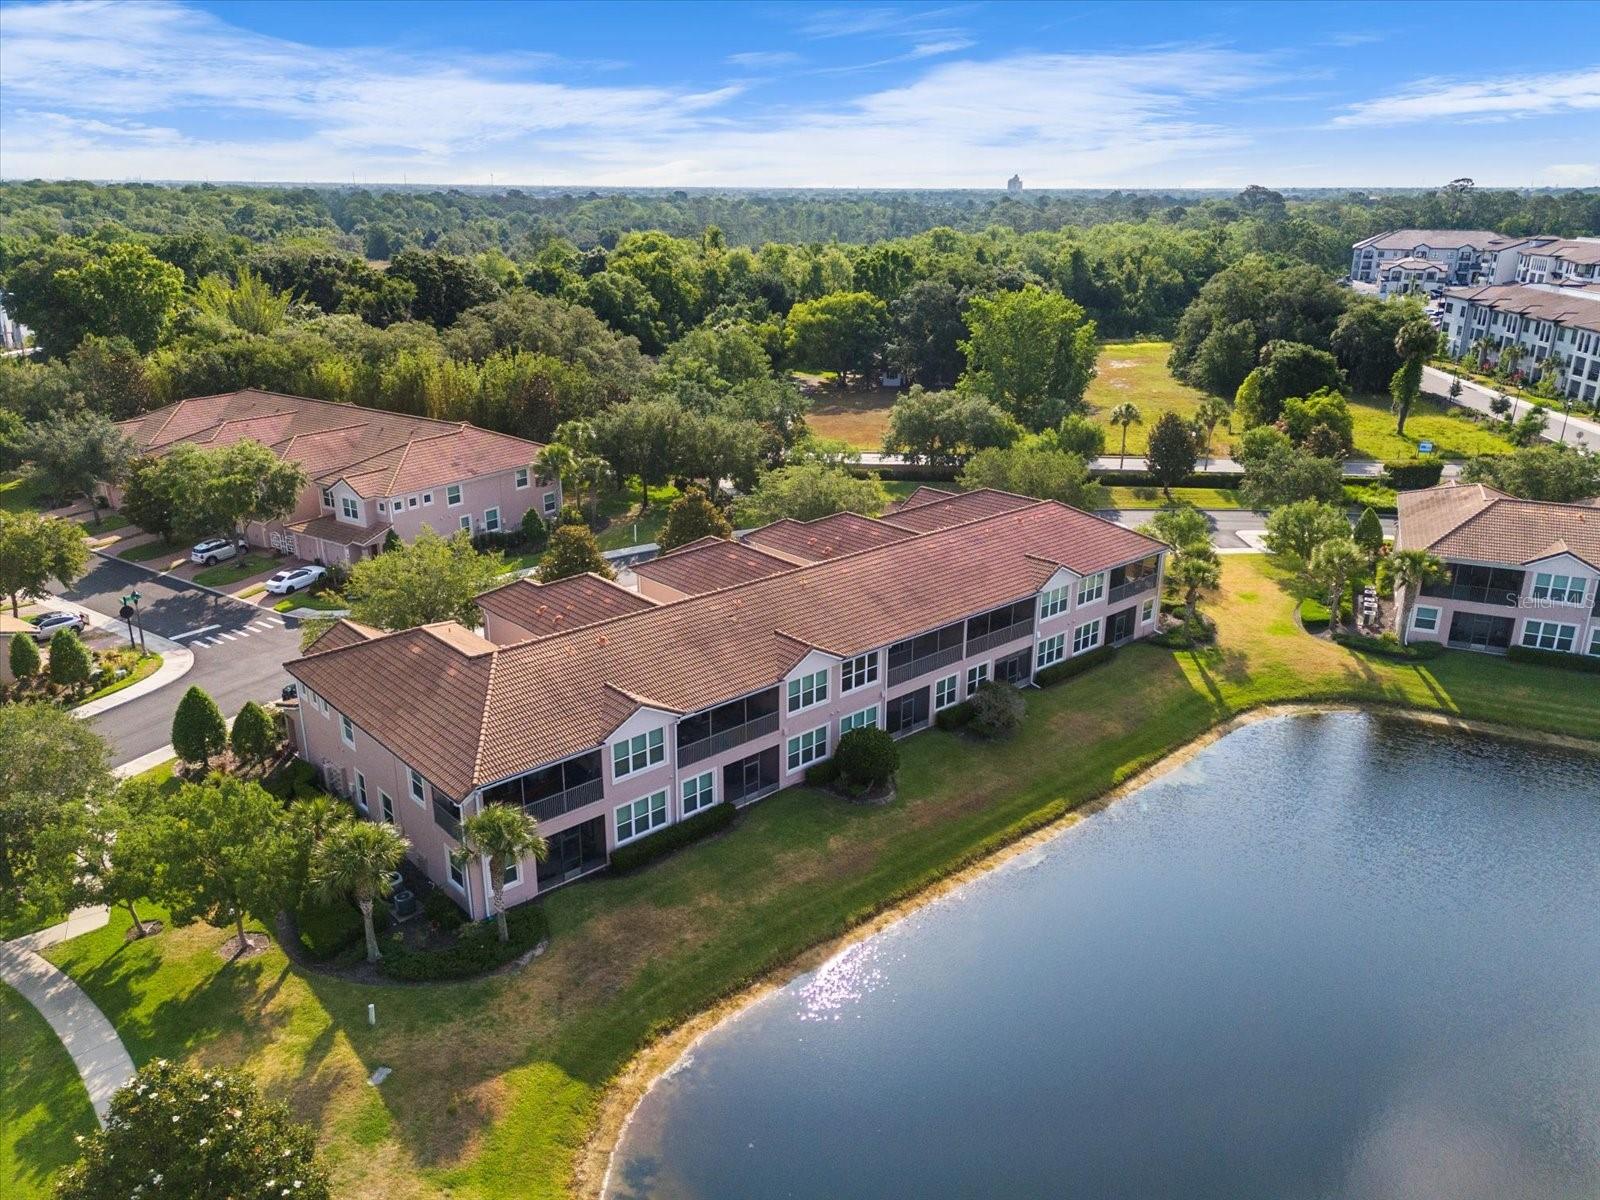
(628, 1088)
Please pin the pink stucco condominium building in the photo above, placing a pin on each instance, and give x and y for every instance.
(719, 672)
(369, 471)
(1521, 572)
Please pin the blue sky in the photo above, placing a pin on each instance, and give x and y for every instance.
(798, 95)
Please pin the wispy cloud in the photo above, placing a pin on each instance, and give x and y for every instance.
(1576, 175)
(862, 19)
(1480, 100)
(1352, 38)
(764, 59)
(935, 49)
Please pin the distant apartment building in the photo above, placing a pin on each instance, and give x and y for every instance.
(1464, 256)
(716, 673)
(1556, 326)
(369, 472)
(13, 334)
(1559, 260)
(1413, 277)
(1519, 572)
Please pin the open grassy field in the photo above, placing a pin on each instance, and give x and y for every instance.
(857, 418)
(1137, 372)
(43, 1106)
(496, 1083)
(1453, 435)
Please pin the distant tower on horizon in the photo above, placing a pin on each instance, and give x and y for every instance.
(1014, 184)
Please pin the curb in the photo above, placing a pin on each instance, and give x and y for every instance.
(176, 660)
(172, 577)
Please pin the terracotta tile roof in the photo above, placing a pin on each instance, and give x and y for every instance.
(957, 509)
(343, 532)
(824, 537)
(923, 494)
(379, 453)
(555, 696)
(343, 632)
(710, 564)
(544, 609)
(1479, 524)
(1565, 305)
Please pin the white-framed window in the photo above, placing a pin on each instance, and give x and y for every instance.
(316, 701)
(383, 506)
(1548, 635)
(808, 690)
(1052, 650)
(417, 792)
(458, 877)
(859, 671)
(466, 523)
(513, 874)
(1086, 637)
(1053, 601)
(698, 792)
(1561, 589)
(350, 508)
(327, 497)
(977, 676)
(521, 477)
(411, 501)
(347, 731)
(361, 791)
(1425, 619)
(867, 718)
(1147, 613)
(427, 498)
(945, 692)
(809, 747)
(452, 494)
(549, 503)
(491, 519)
(1594, 640)
(638, 752)
(1091, 588)
(385, 807)
(640, 817)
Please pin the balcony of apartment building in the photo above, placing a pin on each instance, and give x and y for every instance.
(704, 734)
(927, 652)
(997, 627)
(1478, 585)
(447, 814)
(552, 791)
(1133, 579)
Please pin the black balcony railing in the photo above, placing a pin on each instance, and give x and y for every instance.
(1472, 593)
(727, 739)
(447, 816)
(1132, 587)
(997, 637)
(921, 666)
(558, 803)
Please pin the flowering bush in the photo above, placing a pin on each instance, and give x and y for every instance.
(177, 1134)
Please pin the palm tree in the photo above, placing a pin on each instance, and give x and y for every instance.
(505, 836)
(1194, 573)
(355, 859)
(1213, 411)
(1124, 414)
(1409, 570)
(1481, 347)
(1333, 564)
(570, 457)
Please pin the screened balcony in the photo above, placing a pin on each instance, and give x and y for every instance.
(702, 734)
(552, 791)
(998, 626)
(919, 655)
(1133, 579)
(1477, 585)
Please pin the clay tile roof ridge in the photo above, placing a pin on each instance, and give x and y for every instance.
(636, 698)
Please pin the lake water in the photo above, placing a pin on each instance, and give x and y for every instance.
(1332, 956)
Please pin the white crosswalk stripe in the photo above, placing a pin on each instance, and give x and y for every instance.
(260, 626)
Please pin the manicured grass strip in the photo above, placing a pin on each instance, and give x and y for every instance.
(233, 570)
(148, 665)
(496, 1083)
(20, 493)
(1124, 498)
(322, 602)
(109, 523)
(152, 550)
(43, 1105)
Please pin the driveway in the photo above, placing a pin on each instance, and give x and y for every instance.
(239, 649)
(1572, 430)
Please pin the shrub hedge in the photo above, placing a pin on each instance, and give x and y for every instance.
(997, 710)
(1068, 667)
(1388, 646)
(703, 824)
(477, 951)
(295, 780)
(955, 717)
(1555, 658)
(329, 928)
(822, 774)
(867, 758)
(1409, 474)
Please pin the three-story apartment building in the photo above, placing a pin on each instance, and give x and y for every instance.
(1520, 572)
(608, 713)
(1466, 255)
(1555, 326)
(368, 471)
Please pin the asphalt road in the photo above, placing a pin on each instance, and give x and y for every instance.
(1562, 427)
(1226, 523)
(242, 659)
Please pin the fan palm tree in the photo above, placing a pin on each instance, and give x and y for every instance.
(1333, 564)
(1125, 414)
(355, 859)
(1194, 574)
(1481, 347)
(1409, 570)
(505, 836)
(1213, 411)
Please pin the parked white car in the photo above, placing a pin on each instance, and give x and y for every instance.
(48, 625)
(214, 550)
(295, 578)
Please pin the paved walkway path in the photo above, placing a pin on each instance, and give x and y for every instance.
(98, 1053)
(1561, 427)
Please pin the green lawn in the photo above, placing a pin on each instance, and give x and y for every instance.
(1137, 372)
(43, 1105)
(1123, 497)
(154, 550)
(625, 524)
(1452, 434)
(496, 1083)
(110, 522)
(321, 601)
(233, 570)
(19, 493)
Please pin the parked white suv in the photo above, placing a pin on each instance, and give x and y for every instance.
(214, 550)
(294, 578)
(47, 626)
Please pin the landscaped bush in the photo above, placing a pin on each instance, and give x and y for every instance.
(867, 758)
(703, 824)
(1069, 667)
(1388, 646)
(1314, 615)
(997, 710)
(1188, 635)
(1409, 474)
(499, 539)
(444, 912)
(1555, 658)
(822, 774)
(329, 928)
(535, 533)
(478, 950)
(295, 780)
(955, 717)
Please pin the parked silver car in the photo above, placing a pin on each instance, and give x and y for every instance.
(47, 626)
(215, 550)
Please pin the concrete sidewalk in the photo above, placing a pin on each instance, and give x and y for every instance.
(97, 1052)
(176, 659)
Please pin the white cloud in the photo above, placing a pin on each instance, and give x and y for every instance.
(764, 58)
(934, 49)
(1576, 175)
(1480, 100)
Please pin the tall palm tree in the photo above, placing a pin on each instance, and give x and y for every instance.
(1409, 570)
(1125, 414)
(355, 859)
(1194, 574)
(1213, 411)
(504, 835)
(1481, 347)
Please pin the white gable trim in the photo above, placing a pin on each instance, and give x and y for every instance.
(643, 719)
(815, 660)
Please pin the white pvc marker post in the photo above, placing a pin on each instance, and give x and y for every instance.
(372, 1014)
